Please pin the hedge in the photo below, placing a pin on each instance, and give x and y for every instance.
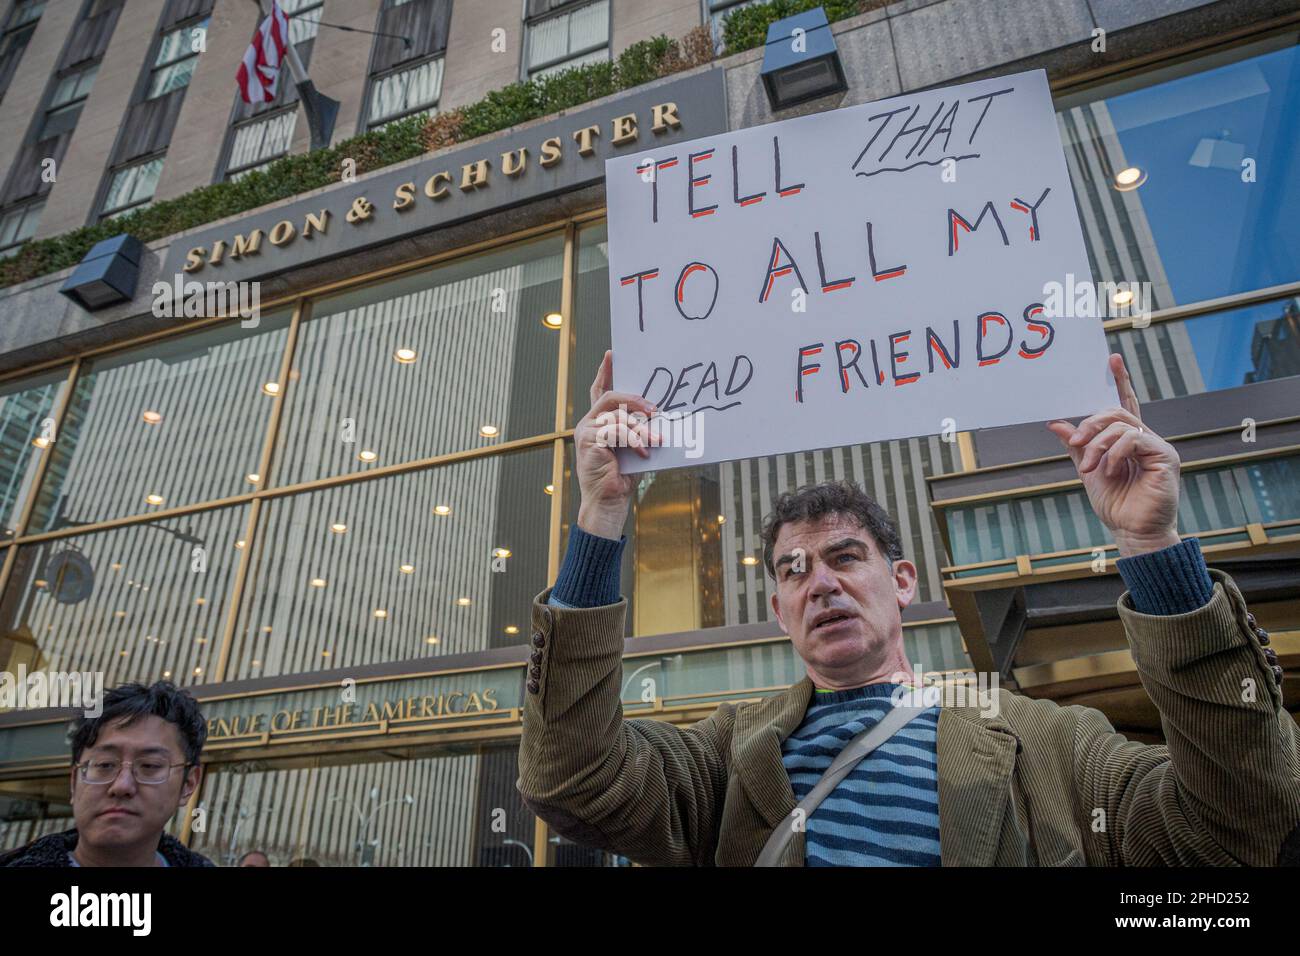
(746, 28)
(406, 139)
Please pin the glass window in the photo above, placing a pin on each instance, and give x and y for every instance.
(26, 11)
(445, 359)
(304, 18)
(1214, 351)
(261, 142)
(718, 11)
(164, 425)
(144, 602)
(19, 224)
(433, 562)
(132, 186)
(27, 408)
(66, 103)
(568, 39)
(178, 55)
(30, 809)
(1188, 177)
(413, 90)
(413, 807)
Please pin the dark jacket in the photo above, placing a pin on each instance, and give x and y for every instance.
(53, 850)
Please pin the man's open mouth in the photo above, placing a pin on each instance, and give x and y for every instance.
(831, 619)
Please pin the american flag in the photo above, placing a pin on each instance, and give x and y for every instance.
(259, 73)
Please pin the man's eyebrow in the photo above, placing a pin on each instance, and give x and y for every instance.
(843, 543)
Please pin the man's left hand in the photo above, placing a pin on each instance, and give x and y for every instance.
(1129, 472)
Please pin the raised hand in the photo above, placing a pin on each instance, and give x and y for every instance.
(1129, 472)
(615, 419)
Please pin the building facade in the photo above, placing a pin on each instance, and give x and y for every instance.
(329, 523)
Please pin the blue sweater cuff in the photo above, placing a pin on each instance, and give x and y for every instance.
(590, 572)
(1173, 580)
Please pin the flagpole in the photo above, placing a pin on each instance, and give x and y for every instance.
(321, 110)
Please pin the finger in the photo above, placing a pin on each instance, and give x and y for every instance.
(1094, 424)
(1128, 399)
(604, 380)
(613, 401)
(1063, 431)
(628, 438)
(1120, 453)
(1093, 451)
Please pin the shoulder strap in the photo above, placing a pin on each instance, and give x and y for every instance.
(853, 752)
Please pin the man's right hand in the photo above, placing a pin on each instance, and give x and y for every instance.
(615, 419)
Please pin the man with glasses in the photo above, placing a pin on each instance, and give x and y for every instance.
(133, 766)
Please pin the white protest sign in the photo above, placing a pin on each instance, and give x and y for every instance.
(853, 276)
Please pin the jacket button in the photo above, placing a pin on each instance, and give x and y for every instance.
(1250, 619)
(1277, 673)
(1261, 635)
(539, 639)
(534, 687)
(536, 657)
(535, 672)
(547, 618)
(1270, 655)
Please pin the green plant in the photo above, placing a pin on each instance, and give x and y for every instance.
(746, 28)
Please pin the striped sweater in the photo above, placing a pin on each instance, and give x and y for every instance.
(886, 811)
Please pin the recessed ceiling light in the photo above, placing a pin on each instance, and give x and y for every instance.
(324, 653)
(367, 456)
(318, 582)
(115, 566)
(511, 629)
(201, 600)
(153, 499)
(722, 519)
(431, 640)
(41, 583)
(240, 544)
(167, 673)
(200, 640)
(119, 614)
(256, 663)
(198, 671)
(122, 652)
(749, 560)
(380, 612)
(338, 527)
(271, 388)
(442, 509)
(552, 320)
(549, 489)
(252, 477)
(40, 441)
(1130, 178)
(405, 356)
(501, 552)
(407, 568)
(464, 602)
(489, 431)
(151, 417)
(1122, 297)
(266, 628)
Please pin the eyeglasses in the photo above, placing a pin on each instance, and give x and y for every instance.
(104, 771)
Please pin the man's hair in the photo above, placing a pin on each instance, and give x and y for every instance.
(129, 702)
(254, 853)
(814, 502)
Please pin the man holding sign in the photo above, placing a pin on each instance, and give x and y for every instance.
(885, 271)
(1032, 784)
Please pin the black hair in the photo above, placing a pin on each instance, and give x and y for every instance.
(129, 702)
(813, 502)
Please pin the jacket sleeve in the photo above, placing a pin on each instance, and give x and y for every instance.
(640, 788)
(1225, 788)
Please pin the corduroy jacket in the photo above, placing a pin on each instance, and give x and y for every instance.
(1036, 785)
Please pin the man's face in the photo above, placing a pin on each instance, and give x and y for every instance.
(124, 813)
(255, 859)
(840, 601)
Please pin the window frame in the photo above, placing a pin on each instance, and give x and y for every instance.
(234, 173)
(106, 213)
(156, 68)
(377, 79)
(24, 207)
(527, 72)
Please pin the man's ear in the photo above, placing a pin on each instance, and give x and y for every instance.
(904, 582)
(192, 778)
(776, 609)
